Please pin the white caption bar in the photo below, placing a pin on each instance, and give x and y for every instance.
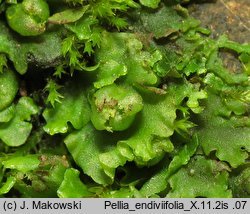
(125, 206)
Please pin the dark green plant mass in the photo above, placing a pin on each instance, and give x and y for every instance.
(119, 98)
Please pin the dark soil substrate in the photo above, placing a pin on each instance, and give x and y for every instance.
(230, 17)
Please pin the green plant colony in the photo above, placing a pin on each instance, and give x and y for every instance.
(119, 98)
